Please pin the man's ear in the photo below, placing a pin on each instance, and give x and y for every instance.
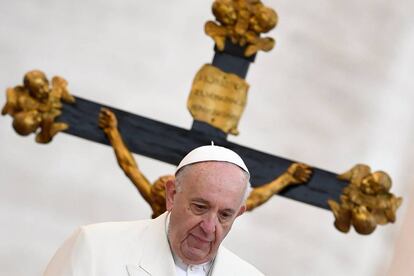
(170, 191)
(242, 210)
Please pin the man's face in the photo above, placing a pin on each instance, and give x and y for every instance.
(203, 209)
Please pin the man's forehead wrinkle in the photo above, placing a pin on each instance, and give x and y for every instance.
(212, 168)
(207, 165)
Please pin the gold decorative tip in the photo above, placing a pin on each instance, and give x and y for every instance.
(366, 202)
(35, 105)
(242, 22)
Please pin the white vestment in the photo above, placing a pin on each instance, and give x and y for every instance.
(130, 248)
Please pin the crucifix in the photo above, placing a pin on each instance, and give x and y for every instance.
(236, 33)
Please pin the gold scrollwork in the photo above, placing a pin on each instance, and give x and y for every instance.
(218, 98)
(242, 21)
(35, 105)
(366, 202)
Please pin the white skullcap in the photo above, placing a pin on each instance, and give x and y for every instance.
(212, 153)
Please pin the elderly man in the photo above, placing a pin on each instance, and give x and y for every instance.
(210, 187)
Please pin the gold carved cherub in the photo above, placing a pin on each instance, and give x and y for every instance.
(366, 202)
(154, 194)
(242, 21)
(35, 105)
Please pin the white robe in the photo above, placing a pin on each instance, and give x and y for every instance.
(130, 248)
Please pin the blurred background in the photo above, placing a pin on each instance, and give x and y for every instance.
(335, 91)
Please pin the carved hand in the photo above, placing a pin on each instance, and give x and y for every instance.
(107, 120)
(300, 173)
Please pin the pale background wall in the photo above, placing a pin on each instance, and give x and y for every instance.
(336, 91)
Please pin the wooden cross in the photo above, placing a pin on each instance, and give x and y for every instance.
(169, 144)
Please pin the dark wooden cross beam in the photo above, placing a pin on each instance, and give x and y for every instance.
(170, 144)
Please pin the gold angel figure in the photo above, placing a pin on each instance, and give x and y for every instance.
(242, 21)
(35, 105)
(154, 194)
(366, 201)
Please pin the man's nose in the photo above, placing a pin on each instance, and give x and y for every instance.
(208, 224)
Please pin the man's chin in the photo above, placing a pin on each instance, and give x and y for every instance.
(195, 255)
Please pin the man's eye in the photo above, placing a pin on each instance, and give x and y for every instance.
(198, 208)
(225, 216)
